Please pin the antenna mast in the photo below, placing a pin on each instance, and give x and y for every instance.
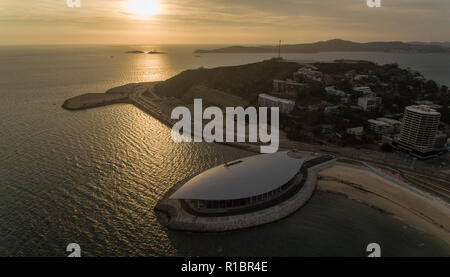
(279, 49)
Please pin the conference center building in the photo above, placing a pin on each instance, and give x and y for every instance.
(239, 186)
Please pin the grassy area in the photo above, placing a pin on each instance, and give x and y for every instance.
(213, 97)
(244, 81)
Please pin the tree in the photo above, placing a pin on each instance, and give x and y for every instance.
(431, 87)
(344, 85)
(386, 147)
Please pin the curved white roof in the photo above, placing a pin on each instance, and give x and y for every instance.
(242, 178)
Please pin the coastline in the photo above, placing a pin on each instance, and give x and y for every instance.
(373, 188)
(376, 191)
(93, 100)
(141, 96)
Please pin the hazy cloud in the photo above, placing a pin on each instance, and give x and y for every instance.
(224, 21)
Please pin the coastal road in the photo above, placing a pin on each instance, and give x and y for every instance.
(400, 162)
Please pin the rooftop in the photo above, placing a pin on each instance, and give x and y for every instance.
(422, 109)
(388, 120)
(377, 122)
(276, 99)
(242, 178)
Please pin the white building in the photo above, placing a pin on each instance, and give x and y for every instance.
(397, 125)
(419, 128)
(357, 131)
(309, 73)
(361, 77)
(287, 87)
(285, 105)
(369, 103)
(366, 91)
(429, 103)
(380, 127)
(242, 183)
(331, 90)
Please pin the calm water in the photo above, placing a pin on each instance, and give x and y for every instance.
(93, 177)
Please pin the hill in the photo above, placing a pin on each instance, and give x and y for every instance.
(336, 45)
(244, 81)
(443, 43)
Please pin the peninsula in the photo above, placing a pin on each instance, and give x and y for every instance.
(135, 52)
(337, 45)
(414, 194)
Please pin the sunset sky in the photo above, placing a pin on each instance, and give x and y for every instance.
(221, 21)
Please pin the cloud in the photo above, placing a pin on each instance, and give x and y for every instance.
(248, 21)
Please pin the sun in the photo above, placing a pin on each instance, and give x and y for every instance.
(142, 9)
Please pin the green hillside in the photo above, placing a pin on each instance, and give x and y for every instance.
(245, 81)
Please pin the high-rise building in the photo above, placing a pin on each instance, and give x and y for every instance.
(419, 128)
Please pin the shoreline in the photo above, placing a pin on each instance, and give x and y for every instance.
(373, 188)
(133, 93)
(387, 200)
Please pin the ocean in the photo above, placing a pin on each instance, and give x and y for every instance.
(93, 177)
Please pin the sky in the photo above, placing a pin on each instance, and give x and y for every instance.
(221, 21)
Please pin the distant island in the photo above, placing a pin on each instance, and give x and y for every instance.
(338, 45)
(443, 43)
(155, 52)
(143, 52)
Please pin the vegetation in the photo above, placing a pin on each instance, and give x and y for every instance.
(240, 86)
(336, 45)
(245, 81)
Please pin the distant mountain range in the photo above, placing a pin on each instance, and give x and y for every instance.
(339, 45)
(444, 43)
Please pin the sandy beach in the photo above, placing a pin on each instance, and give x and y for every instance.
(369, 186)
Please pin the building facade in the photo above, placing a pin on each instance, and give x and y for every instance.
(396, 124)
(241, 184)
(369, 103)
(380, 127)
(286, 106)
(419, 129)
